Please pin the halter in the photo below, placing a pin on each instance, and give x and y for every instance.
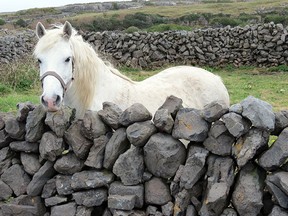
(64, 85)
(59, 78)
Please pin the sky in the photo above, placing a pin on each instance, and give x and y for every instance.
(15, 5)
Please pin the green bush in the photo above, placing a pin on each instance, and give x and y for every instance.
(225, 21)
(276, 18)
(105, 24)
(168, 27)
(132, 29)
(2, 22)
(22, 23)
(142, 20)
(20, 75)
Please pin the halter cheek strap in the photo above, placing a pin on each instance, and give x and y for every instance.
(64, 85)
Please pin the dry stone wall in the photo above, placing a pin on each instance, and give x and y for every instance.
(261, 45)
(128, 162)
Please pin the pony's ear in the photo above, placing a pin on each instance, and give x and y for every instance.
(67, 30)
(40, 30)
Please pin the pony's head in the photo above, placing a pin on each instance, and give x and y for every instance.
(55, 56)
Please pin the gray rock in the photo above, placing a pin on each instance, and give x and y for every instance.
(140, 132)
(88, 179)
(35, 124)
(30, 162)
(167, 209)
(2, 122)
(182, 200)
(60, 121)
(117, 145)
(213, 111)
(219, 182)
(24, 146)
(219, 141)
(163, 154)
(191, 211)
(281, 122)
(67, 209)
(49, 189)
(157, 192)
(110, 114)
(84, 211)
(122, 202)
(15, 129)
(151, 210)
(23, 110)
(91, 198)
(16, 178)
(248, 192)
(250, 145)
(278, 211)
(68, 164)
(172, 104)
(24, 205)
(93, 126)
(56, 200)
(51, 146)
(5, 139)
(129, 166)
(118, 188)
(277, 184)
(236, 108)
(135, 113)
(45, 173)
(79, 144)
(5, 164)
(277, 154)
(194, 167)
(6, 153)
(163, 121)
(96, 154)
(63, 184)
(259, 112)
(5, 191)
(129, 213)
(236, 124)
(190, 125)
(229, 212)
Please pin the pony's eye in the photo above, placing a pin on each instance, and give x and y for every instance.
(68, 59)
(39, 61)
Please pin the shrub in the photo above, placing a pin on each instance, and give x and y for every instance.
(132, 29)
(20, 75)
(142, 20)
(168, 27)
(22, 23)
(276, 18)
(225, 21)
(2, 22)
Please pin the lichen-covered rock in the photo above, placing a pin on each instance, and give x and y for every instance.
(189, 125)
(51, 146)
(163, 154)
(135, 113)
(172, 104)
(129, 166)
(248, 193)
(110, 114)
(259, 112)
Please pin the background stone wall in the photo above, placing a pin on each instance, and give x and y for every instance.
(259, 45)
(115, 162)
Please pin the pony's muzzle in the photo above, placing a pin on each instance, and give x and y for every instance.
(52, 103)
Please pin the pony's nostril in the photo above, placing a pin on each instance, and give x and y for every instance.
(43, 101)
(58, 100)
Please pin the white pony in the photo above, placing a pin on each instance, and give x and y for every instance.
(71, 72)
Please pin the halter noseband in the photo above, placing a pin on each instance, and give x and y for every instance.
(59, 78)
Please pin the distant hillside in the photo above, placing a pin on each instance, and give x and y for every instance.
(154, 15)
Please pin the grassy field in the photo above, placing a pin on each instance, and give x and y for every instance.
(270, 85)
